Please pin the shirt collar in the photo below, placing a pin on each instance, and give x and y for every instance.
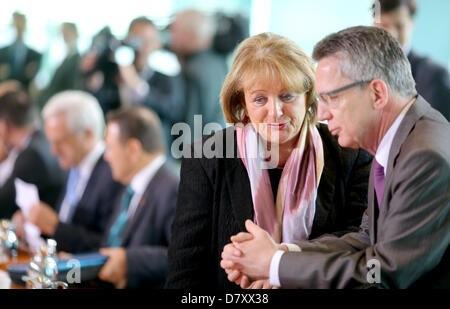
(87, 164)
(141, 180)
(382, 154)
(407, 49)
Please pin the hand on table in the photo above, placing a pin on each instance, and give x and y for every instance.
(115, 268)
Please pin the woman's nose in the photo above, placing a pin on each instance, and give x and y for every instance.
(275, 108)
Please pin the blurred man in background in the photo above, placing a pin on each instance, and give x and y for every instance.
(204, 70)
(140, 84)
(432, 79)
(18, 61)
(7, 156)
(68, 75)
(74, 125)
(34, 163)
(139, 232)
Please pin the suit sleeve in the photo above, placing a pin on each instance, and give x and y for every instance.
(412, 238)
(189, 251)
(30, 168)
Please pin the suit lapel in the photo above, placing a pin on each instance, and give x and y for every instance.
(146, 202)
(327, 184)
(416, 111)
(90, 186)
(239, 190)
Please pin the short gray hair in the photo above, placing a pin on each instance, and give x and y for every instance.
(81, 109)
(367, 53)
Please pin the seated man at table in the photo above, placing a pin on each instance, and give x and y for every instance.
(74, 125)
(139, 232)
(34, 164)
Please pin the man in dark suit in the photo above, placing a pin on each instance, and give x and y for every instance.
(139, 232)
(404, 236)
(34, 163)
(142, 85)
(68, 75)
(432, 79)
(18, 61)
(74, 125)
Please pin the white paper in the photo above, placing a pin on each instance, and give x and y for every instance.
(26, 197)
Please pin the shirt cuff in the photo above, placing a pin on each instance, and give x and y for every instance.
(274, 278)
(292, 247)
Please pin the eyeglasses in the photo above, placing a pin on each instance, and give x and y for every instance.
(326, 97)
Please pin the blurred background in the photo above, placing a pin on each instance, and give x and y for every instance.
(304, 21)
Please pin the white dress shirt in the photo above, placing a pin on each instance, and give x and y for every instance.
(382, 156)
(85, 169)
(140, 182)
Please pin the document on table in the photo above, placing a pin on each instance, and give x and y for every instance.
(26, 196)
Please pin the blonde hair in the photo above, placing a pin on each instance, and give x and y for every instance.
(268, 57)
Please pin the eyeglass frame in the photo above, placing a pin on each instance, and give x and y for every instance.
(339, 90)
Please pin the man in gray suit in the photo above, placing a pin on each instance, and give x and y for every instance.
(68, 74)
(139, 232)
(367, 94)
(203, 69)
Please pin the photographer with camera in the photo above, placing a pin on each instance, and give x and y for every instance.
(118, 74)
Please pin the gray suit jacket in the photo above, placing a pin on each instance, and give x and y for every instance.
(409, 237)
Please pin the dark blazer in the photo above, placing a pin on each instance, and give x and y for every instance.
(92, 214)
(29, 70)
(146, 235)
(409, 236)
(432, 82)
(215, 200)
(67, 77)
(36, 165)
(204, 73)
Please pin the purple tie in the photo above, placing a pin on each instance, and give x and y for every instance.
(378, 172)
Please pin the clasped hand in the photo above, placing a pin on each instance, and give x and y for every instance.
(246, 260)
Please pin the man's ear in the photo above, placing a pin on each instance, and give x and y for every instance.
(379, 93)
(134, 147)
(89, 134)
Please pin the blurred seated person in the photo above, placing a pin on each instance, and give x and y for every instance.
(74, 125)
(68, 75)
(19, 130)
(18, 61)
(142, 85)
(203, 69)
(301, 185)
(7, 156)
(139, 232)
(432, 79)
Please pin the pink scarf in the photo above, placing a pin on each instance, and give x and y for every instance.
(290, 219)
